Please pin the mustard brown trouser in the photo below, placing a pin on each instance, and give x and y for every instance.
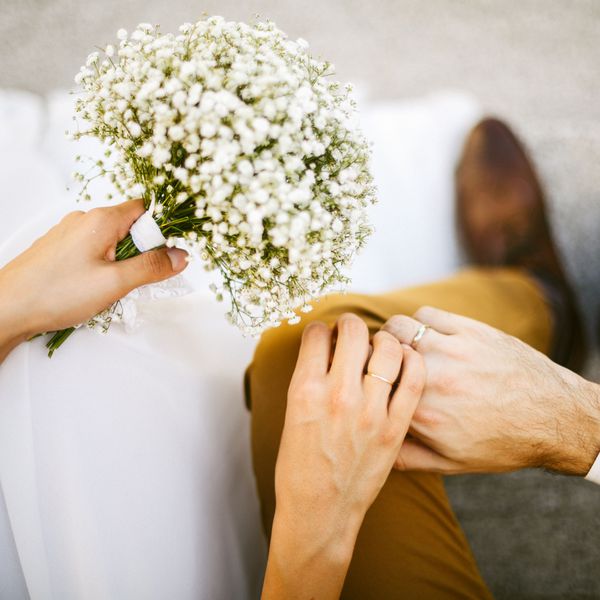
(411, 545)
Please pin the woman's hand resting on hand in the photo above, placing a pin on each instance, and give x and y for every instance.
(70, 274)
(343, 430)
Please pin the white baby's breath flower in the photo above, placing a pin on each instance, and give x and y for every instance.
(176, 133)
(249, 150)
(160, 156)
(134, 129)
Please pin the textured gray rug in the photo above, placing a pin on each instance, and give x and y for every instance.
(534, 62)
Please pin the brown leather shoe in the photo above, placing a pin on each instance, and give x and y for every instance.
(502, 218)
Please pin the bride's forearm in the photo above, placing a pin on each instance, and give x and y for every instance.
(13, 324)
(307, 562)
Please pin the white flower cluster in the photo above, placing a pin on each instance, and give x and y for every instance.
(250, 150)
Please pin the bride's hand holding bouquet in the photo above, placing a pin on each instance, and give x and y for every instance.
(70, 274)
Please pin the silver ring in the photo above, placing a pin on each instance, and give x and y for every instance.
(375, 376)
(419, 335)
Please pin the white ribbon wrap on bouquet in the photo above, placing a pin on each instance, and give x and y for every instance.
(146, 233)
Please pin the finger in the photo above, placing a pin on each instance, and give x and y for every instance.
(112, 223)
(442, 320)
(127, 213)
(352, 346)
(313, 357)
(149, 267)
(405, 328)
(415, 456)
(385, 362)
(409, 391)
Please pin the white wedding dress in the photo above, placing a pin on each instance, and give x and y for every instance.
(125, 468)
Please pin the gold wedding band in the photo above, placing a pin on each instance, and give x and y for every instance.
(375, 376)
(419, 335)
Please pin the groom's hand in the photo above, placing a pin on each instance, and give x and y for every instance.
(492, 403)
(70, 274)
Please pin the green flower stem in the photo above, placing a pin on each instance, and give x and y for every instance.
(58, 339)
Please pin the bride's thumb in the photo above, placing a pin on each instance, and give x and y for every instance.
(151, 266)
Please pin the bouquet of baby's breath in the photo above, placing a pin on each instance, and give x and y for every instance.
(247, 152)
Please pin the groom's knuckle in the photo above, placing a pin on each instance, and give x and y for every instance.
(482, 331)
(445, 382)
(394, 321)
(454, 348)
(398, 324)
(424, 313)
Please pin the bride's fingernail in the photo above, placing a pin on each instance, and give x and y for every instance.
(177, 258)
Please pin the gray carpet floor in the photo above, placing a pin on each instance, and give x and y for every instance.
(533, 62)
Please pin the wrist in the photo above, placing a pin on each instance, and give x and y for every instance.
(306, 561)
(14, 322)
(322, 536)
(591, 448)
(576, 440)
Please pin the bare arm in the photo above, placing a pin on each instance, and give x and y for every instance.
(13, 324)
(342, 432)
(70, 274)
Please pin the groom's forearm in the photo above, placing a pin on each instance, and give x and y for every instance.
(577, 430)
(590, 407)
